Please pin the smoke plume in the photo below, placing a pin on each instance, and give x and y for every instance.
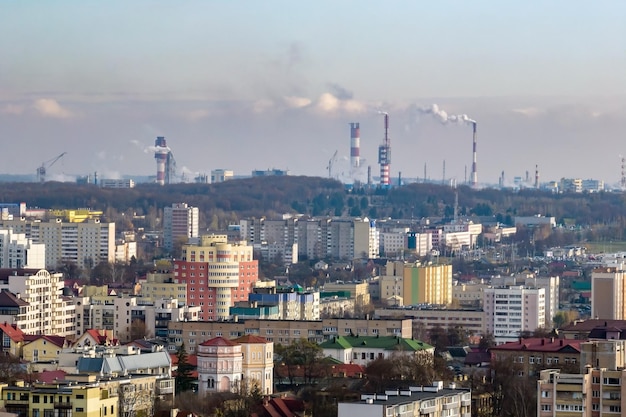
(444, 117)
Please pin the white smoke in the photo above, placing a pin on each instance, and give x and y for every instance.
(444, 117)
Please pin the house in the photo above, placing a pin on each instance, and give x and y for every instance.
(96, 337)
(363, 349)
(43, 351)
(12, 339)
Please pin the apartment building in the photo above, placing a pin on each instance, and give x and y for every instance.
(217, 274)
(85, 243)
(513, 309)
(180, 222)
(160, 284)
(551, 286)
(596, 392)
(414, 283)
(431, 317)
(282, 331)
(433, 401)
(46, 311)
(358, 290)
(130, 317)
(533, 354)
(608, 293)
(17, 251)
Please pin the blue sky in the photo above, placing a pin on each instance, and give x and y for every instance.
(258, 84)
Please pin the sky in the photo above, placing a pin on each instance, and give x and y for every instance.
(247, 85)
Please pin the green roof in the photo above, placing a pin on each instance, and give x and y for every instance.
(382, 342)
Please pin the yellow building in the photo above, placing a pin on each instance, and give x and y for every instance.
(59, 400)
(43, 348)
(161, 285)
(427, 284)
(258, 362)
(358, 290)
(76, 216)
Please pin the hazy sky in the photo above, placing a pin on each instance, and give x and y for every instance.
(249, 85)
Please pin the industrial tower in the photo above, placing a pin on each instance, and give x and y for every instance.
(166, 166)
(474, 169)
(355, 149)
(384, 155)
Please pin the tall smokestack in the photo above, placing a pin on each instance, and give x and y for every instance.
(384, 155)
(474, 169)
(161, 155)
(355, 145)
(537, 176)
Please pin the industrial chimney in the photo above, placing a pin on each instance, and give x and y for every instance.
(355, 146)
(161, 153)
(474, 169)
(384, 156)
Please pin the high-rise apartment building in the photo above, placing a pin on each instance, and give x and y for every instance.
(607, 293)
(512, 310)
(414, 283)
(47, 312)
(85, 244)
(180, 221)
(217, 273)
(16, 251)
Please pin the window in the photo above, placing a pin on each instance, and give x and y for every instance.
(546, 407)
(36, 398)
(615, 408)
(545, 394)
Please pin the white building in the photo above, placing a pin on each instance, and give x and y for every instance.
(85, 244)
(511, 310)
(220, 366)
(221, 175)
(16, 251)
(180, 221)
(48, 311)
(130, 317)
(432, 401)
(116, 183)
(125, 251)
(551, 286)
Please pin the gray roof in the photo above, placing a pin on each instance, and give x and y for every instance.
(124, 364)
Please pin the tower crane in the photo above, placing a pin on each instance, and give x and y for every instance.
(41, 171)
(331, 162)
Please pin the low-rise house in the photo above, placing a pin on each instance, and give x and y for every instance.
(363, 349)
(12, 339)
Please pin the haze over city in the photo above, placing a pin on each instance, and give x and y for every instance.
(274, 84)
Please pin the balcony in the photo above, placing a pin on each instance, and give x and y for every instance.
(451, 405)
(67, 406)
(427, 409)
(466, 403)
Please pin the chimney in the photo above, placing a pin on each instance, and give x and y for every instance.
(543, 341)
(561, 342)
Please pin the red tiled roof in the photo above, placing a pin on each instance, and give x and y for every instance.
(218, 341)
(55, 340)
(191, 359)
(49, 377)
(15, 333)
(250, 338)
(537, 344)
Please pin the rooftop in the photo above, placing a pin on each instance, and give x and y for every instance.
(376, 342)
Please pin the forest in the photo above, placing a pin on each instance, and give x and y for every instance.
(225, 203)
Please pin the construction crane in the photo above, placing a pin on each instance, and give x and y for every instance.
(331, 162)
(41, 171)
